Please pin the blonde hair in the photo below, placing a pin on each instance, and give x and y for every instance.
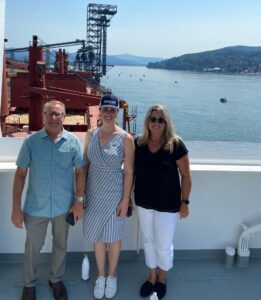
(169, 135)
(53, 102)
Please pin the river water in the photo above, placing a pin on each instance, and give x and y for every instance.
(193, 100)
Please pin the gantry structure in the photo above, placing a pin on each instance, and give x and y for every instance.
(92, 57)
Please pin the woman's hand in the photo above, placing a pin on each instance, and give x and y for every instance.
(122, 208)
(183, 211)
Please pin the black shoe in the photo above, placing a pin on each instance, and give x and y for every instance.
(59, 290)
(160, 288)
(146, 289)
(28, 293)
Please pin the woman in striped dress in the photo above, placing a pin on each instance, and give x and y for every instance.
(110, 156)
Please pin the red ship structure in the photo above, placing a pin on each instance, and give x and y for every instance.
(78, 88)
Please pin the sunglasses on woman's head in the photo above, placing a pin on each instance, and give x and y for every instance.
(159, 120)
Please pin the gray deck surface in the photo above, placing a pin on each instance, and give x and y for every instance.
(190, 279)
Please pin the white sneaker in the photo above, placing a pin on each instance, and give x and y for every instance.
(111, 287)
(99, 287)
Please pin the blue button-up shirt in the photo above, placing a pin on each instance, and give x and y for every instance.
(50, 189)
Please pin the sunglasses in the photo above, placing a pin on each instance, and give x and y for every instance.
(158, 120)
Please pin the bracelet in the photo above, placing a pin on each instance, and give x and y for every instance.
(126, 198)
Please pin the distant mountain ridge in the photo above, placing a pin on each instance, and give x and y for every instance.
(117, 60)
(125, 59)
(234, 59)
(131, 60)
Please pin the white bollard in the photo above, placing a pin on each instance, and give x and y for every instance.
(229, 256)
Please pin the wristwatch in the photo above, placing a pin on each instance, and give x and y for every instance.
(185, 201)
(80, 199)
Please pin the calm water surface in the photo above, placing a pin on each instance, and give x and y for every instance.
(193, 100)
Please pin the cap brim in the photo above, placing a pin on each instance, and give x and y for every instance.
(109, 106)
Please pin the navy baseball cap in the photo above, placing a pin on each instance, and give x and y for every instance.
(109, 100)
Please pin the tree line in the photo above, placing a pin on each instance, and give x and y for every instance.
(236, 59)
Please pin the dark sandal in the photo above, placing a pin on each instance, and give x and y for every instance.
(160, 288)
(146, 289)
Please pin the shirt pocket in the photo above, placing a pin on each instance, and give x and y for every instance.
(64, 159)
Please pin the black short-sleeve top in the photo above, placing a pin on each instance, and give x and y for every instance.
(157, 183)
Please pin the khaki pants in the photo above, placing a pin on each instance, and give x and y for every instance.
(36, 228)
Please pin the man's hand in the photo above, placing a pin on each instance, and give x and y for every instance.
(77, 210)
(17, 218)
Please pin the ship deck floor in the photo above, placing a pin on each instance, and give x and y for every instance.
(190, 279)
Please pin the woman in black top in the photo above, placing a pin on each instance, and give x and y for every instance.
(161, 158)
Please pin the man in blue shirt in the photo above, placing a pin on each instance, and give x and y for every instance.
(52, 156)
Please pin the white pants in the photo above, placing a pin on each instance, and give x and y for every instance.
(157, 230)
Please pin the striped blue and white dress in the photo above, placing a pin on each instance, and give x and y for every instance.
(104, 189)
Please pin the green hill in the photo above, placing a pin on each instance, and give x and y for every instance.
(236, 59)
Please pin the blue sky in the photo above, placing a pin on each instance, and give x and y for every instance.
(159, 28)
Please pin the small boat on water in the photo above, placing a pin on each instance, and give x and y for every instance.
(223, 100)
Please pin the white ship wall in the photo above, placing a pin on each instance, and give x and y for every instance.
(226, 193)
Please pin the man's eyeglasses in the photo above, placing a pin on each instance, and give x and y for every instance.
(57, 115)
(158, 120)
